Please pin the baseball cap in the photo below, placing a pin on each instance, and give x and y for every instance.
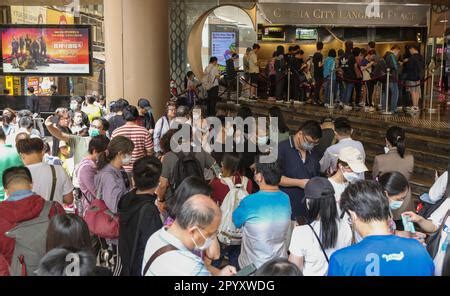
(62, 144)
(353, 157)
(319, 187)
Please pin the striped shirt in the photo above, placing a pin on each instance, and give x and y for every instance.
(143, 143)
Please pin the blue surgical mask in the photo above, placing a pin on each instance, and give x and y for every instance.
(93, 132)
(395, 205)
(351, 177)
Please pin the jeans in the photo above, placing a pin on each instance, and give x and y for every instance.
(341, 90)
(348, 92)
(327, 87)
(393, 99)
(358, 90)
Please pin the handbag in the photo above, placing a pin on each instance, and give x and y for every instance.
(434, 239)
(101, 221)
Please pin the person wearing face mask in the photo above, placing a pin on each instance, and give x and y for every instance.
(78, 127)
(143, 143)
(163, 125)
(343, 131)
(83, 176)
(172, 251)
(312, 244)
(396, 188)
(78, 145)
(396, 159)
(349, 168)
(75, 106)
(264, 218)
(380, 253)
(110, 181)
(298, 165)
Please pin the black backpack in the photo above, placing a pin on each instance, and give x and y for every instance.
(379, 69)
(186, 166)
(426, 209)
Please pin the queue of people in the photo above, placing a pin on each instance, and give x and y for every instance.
(134, 205)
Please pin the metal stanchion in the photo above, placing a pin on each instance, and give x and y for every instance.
(387, 112)
(432, 110)
(237, 88)
(289, 87)
(331, 105)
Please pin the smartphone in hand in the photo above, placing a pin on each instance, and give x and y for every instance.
(246, 271)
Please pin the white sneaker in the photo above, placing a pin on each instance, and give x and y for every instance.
(348, 108)
(399, 109)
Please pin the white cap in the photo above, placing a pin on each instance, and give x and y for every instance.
(353, 157)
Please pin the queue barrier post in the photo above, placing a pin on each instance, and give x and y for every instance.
(386, 111)
(331, 105)
(432, 110)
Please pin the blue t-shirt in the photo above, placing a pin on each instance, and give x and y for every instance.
(382, 255)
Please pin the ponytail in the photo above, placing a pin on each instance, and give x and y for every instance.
(396, 137)
(103, 159)
(117, 145)
(401, 146)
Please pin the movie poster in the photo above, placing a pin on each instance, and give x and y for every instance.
(45, 50)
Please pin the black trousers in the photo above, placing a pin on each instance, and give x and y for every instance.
(213, 98)
(370, 85)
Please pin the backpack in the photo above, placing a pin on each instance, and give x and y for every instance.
(426, 209)
(280, 65)
(379, 69)
(187, 165)
(228, 234)
(30, 243)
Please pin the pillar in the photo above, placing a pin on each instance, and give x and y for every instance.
(137, 51)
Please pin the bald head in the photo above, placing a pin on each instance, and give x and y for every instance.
(199, 210)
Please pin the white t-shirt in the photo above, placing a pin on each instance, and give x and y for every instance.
(181, 262)
(437, 191)
(338, 190)
(42, 181)
(304, 244)
(437, 218)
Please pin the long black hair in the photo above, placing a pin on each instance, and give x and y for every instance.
(326, 209)
(393, 183)
(117, 145)
(396, 137)
(68, 231)
(275, 111)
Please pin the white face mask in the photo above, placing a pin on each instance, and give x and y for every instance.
(77, 120)
(126, 160)
(206, 244)
(386, 149)
(351, 177)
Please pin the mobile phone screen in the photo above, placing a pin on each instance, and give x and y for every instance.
(246, 271)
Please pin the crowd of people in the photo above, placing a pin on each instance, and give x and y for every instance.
(109, 188)
(346, 78)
